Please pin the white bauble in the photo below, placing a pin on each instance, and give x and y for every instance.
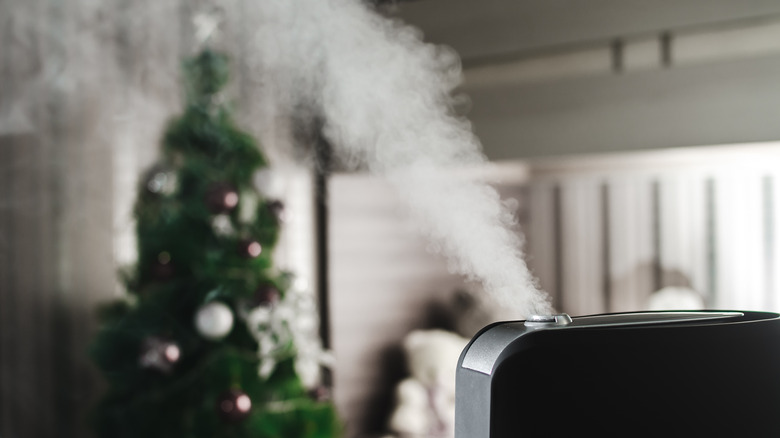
(247, 209)
(214, 320)
(222, 225)
(163, 182)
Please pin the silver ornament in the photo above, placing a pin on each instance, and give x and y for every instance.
(162, 182)
(292, 320)
(222, 225)
(214, 320)
(247, 210)
(158, 353)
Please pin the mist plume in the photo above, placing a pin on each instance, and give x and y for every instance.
(386, 100)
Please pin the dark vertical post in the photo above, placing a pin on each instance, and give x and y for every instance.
(559, 246)
(658, 275)
(323, 153)
(606, 241)
(666, 49)
(616, 49)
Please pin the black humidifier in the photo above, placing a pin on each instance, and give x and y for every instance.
(659, 374)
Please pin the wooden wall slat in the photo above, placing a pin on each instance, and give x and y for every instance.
(740, 241)
(582, 285)
(45, 312)
(541, 237)
(8, 332)
(26, 259)
(683, 239)
(6, 244)
(631, 234)
(773, 241)
(5, 296)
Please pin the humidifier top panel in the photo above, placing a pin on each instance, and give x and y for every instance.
(483, 352)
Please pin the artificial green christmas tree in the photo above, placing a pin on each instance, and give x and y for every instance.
(199, 348)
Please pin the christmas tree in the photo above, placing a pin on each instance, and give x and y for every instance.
(203, 344)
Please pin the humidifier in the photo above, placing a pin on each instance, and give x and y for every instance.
(686, 373)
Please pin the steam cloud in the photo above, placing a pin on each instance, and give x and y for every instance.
(385, 97)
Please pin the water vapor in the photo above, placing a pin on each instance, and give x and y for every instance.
(385, 98)
(107, 76)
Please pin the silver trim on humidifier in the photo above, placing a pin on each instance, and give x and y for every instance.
(482, 354)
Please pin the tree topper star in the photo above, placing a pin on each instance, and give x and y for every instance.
(206, 24)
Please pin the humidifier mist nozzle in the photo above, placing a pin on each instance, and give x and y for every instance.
(559, 319)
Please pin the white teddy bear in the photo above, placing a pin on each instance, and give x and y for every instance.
(675, 298)
(425, 402)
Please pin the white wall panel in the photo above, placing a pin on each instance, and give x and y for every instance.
(683, 231)
(630, 238)
(541, 238)
(582, 249)
(739, 241)
(773, 240)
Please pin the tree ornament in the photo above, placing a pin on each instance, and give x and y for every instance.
(233, 405)
(250, 248)
(247, 210)
(268, 183)
(277, 209)
(162, 267)
(214, 320)
(319, 394)
(158, 353)
(161, 181)
(222, 225)
(266, 295)
(221, 198)
(207, 24)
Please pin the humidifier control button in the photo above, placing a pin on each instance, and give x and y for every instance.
(535, 321)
